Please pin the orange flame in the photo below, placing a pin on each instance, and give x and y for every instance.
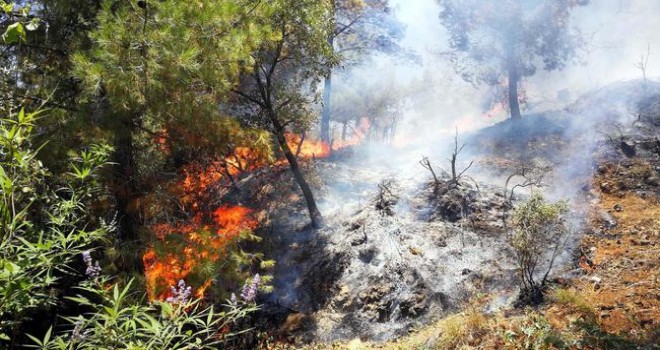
(207, 235)
(309, 149)
(314, 149)
(201, 244)
(161, 139)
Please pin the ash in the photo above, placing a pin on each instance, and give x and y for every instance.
(396, 254)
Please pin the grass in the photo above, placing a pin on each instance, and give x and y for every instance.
(573, 299)
(461, 330)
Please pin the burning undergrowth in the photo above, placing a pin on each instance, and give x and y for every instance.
(218, 213)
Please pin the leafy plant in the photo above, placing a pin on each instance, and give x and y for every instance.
(538, 233)
(44, 225)
(117, 322)
(21, 22)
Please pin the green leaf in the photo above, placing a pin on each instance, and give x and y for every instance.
(35, 339)
(33, 24)
(8, 8)
(14, 33)
(47, 336)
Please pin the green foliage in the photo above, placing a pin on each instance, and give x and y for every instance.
(17, 31)
(44, 225)
(536, 333)
(538, 228)
(170, 64)
(290, 65)
(116, 322)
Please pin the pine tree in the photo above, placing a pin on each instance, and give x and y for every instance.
(158, 65)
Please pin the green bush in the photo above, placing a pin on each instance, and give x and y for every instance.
(44, 225)
(48, 228)
(116, 322)
(538, 235)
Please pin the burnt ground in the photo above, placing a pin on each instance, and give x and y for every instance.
(606, 296)
(397, 255)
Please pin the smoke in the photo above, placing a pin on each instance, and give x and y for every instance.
(416, 107)
(437, 102)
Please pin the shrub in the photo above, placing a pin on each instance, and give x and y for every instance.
(537, 237)
(116, 322)
(44, 225)
(47, 229)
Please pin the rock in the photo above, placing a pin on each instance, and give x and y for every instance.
(367, 254)
(618, 207)
(627, 149)
(413, 305)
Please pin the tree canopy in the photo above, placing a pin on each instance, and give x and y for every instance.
(499, 43)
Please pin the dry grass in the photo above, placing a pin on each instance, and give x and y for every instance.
(572, 299)
(461, 330)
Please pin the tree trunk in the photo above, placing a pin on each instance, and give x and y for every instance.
(514, 78)
(314, 213)
(124, 186)
(327, 86)
(343, 130)
(325, 113)
(514, 106)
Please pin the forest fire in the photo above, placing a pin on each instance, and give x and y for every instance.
(308, 149)
(315, 149)
(183, 248)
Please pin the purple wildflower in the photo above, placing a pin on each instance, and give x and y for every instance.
(93, 269)
(180, 294)
(249, 292)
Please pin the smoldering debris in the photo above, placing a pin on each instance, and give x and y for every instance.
(396, 261)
